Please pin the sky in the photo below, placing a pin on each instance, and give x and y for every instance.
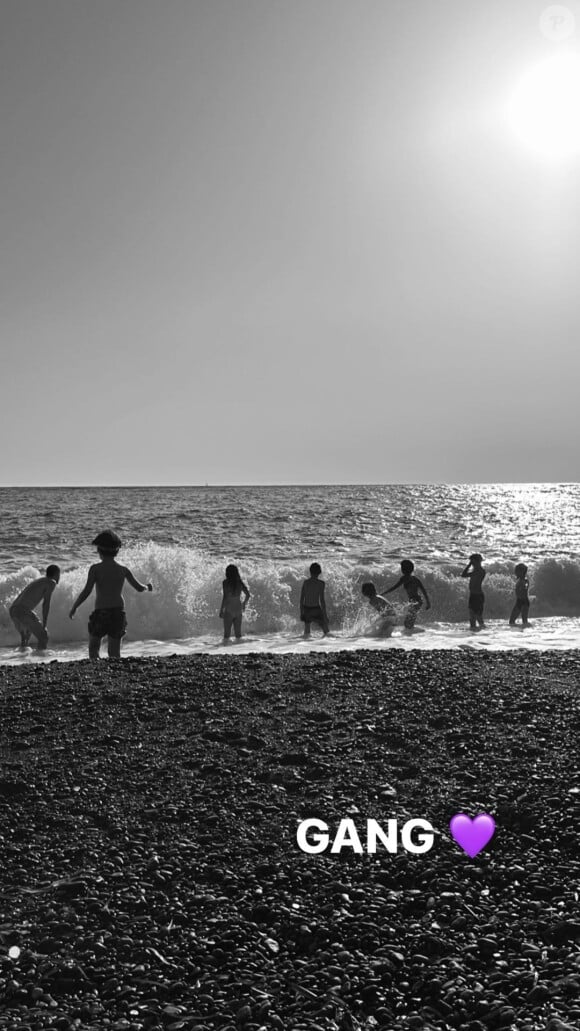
(282, 241)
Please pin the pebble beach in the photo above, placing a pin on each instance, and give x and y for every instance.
(150, 875)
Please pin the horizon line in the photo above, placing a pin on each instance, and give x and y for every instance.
(304, 483)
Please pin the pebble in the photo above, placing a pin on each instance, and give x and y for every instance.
(143, 909)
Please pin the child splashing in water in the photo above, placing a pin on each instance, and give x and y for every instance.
(381, 605)
(232, 607)
(369, 591)
(414, 589)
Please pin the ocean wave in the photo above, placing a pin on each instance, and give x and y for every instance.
(187, 593)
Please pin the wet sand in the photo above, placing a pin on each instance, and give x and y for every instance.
(149, 870)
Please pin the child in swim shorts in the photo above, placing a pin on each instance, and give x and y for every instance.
(22, 611)
(414, 589)
(312, 601)
(108, 578)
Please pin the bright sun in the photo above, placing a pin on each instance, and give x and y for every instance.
(545, 108)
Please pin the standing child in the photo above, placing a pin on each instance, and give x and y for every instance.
(232, 606)
(476, 595)
(312, 603)
(108, 577)
(22, 610)
(522, 600)
(414, 588)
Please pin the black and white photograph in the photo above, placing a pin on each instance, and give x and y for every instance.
(289, 515)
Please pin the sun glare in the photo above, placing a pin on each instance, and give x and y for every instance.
(545, 108)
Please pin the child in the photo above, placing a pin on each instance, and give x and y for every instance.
(108, 577)
(476, 595)
(522, 600)
(21, 610)
(232, 605)
(369, 591)
(312, 603)
(376, 600)
(414, 589)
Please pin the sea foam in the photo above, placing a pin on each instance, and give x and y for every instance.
(187, 594)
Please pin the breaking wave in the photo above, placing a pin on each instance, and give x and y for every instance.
(187, 593)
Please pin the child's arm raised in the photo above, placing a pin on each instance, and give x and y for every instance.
(136, 583)
(466, 572)
(86, 591)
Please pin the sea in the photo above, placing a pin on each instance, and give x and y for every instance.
(182, 538)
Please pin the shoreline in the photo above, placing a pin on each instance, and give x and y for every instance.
(151, 876)
(545, 634)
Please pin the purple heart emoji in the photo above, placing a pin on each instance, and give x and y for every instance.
(472, 835)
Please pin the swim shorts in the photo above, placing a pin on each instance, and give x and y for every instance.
(26, 621)
(312, 614)
(108, 623)
(412, 612)
(475, 603)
